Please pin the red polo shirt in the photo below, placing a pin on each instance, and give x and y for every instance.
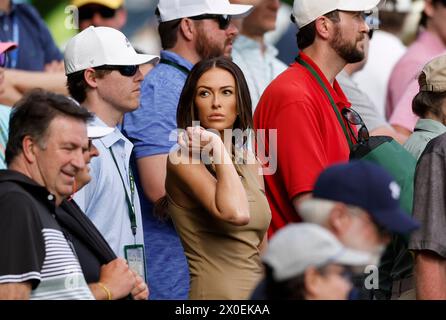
(309, 136)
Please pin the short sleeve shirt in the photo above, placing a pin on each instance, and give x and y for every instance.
(33, 247)
(302, 136)
(429, 198)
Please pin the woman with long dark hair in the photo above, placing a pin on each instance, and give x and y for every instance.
(215, 192)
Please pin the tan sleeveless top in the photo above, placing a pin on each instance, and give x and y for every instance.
(224, 260)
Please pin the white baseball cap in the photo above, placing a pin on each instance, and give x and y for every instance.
(176, 9)
(298, 246)
(95, 132)
(98, 46)
(306, 11)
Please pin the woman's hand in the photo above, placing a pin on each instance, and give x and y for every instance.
(198, 140)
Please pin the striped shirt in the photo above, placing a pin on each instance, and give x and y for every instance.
(61, 275)
(32, 246)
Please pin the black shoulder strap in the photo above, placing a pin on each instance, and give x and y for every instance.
(176, 66)
(74, 221)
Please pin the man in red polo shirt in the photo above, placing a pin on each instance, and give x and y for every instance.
(304, 103)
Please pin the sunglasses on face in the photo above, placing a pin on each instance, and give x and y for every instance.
(3, 59)
(354, 118)
(223, 20)
(88, 11)
(126, 71)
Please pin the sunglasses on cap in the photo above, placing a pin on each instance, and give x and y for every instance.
(88, 11)
(3, 59)
(354, 118)
(223, 20)
(126, 71)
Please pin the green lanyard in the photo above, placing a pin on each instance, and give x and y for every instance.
(176, 66)
(130, 204)
(327, 92)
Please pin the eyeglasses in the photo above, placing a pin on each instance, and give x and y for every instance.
(126, 71)
(223, 20)
(354, 118)
(90, 143)
(88, 11)
(3, 59)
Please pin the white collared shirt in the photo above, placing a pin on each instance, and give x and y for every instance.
(103, 199)
(258, 68)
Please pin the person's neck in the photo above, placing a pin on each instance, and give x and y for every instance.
(109, 115)
(431, 116)
(5, 5)
(20, 165)
(432, 30)
(350, 69)
(186, 52)
(328, 61)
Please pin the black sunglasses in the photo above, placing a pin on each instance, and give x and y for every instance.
(223, 20)
(354, 118)
(3, 59)
(88, 11)
(126, 71)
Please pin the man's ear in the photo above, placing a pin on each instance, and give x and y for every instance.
(323, 27)
(312, 283)
(429, 8)
(29, 148)
(188, 29)
(90, 77)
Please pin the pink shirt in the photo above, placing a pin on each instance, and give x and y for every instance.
(403, 83)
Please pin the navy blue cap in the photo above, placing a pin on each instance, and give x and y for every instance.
(368, 186)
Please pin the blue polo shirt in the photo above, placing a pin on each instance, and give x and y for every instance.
(24, 25)
(150, 129)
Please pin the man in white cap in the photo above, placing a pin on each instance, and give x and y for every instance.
(190, 30)
(303, 105)
(306, 262)
(103, 75)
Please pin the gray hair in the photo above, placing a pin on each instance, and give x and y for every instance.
(316, 210)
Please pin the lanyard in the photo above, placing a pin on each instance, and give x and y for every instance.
(176, 66)
(130, 203)
(327, 92)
